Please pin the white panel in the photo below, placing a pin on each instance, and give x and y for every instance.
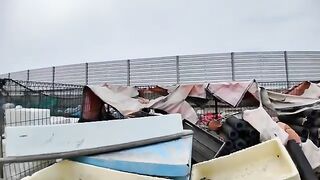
(205, 68)
(20, 75)
(3, 76)
(42, 74)
(303, 66)
(152, 71)
(262, 66)
(112, 72)
(70, 74)
(47, 139)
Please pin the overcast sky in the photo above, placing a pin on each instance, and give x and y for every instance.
(41, 33)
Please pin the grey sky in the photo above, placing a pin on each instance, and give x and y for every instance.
(41, 33)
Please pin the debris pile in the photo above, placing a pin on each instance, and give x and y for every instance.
(232, 130)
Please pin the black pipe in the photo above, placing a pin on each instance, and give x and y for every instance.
(253, 133)
(303, 139)
(316, 122)
(302, 164)
(249, 140)
(314, 132)
(252, 138)
(310, 114)
(228, 143)
(300, 121)
(240, 144)
(301, 131)
(229, 131)
(288, 118)
(236, 123)
(314, 135)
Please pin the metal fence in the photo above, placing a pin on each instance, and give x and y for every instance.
(263, 66)
(40, 104)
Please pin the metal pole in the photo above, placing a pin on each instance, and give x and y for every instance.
(232, 67)
(2, 124)
(87, 73)
(53, 76)
(178, 69)
(28, 75)
(216, 105)
(128, 72)
(286, 67)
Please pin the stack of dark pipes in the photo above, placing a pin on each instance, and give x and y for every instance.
(306, 124)
(238, 134)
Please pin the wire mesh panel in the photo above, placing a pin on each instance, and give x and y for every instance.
(262, 66)
(160, 71)
(42, 75)
(112, 72)
(205, 68)
(20, 75)
(33, 103)
(303, 65)
(74, 73)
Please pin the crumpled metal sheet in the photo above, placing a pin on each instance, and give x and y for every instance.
(172, 103)
(267, 127)
(306, 89)
(283, 102)
(312, 153)
(121, 98)
(233, 92)
(299, 98)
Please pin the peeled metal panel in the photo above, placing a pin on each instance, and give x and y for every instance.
(262, 66)
(112, 72)
(20, 75)
(303, 65)
(42, 74)
(205, 68)
(148, 71)
(71, 74)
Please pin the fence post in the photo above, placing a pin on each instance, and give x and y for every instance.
(53, 76)
(8, 75)
(87, 73)
(286, 67)
(232, 66)
(178, 69)
(128, 72)
(28, 75)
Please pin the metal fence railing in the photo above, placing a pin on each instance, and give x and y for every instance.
(270, 66)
